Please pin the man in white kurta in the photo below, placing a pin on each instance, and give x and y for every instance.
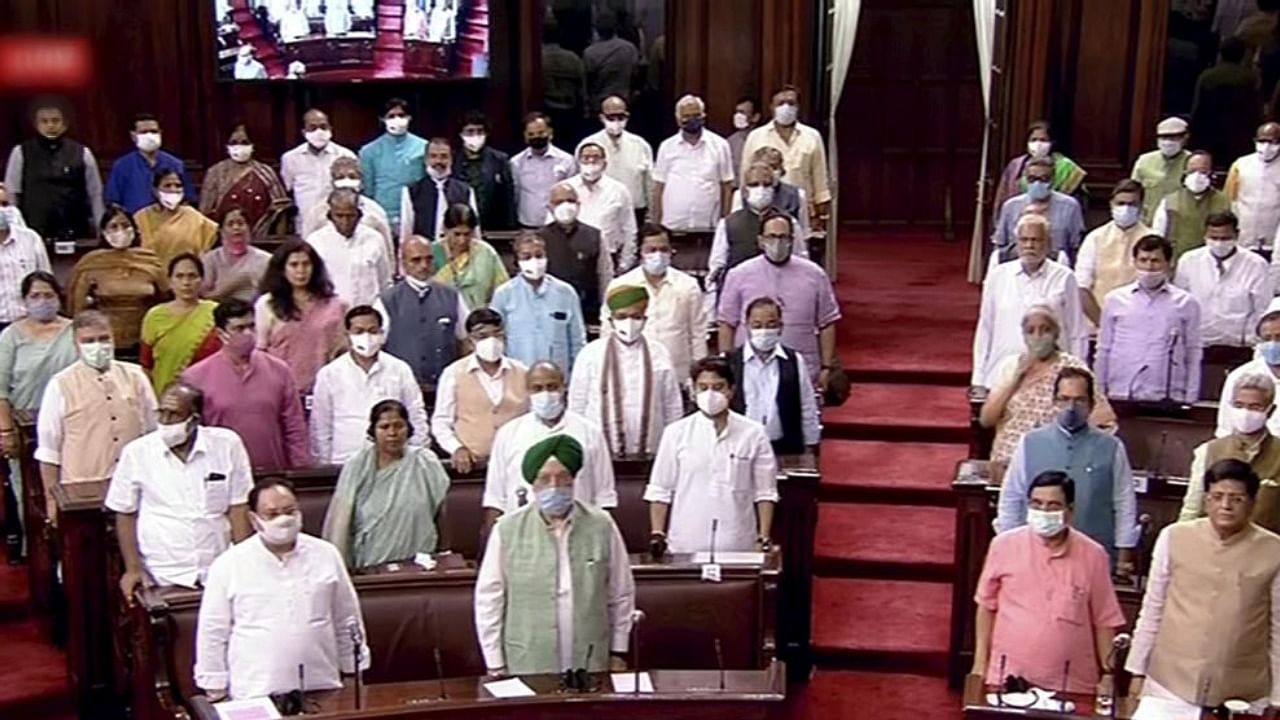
(630, 159)
(1234, 285)
(179, 495)
(1266, 361)
(676, 316)
(1253, 185)
(305, 170)
(693, 174)
(505, 488)
(605, 204)
(713, 466)
(349, 386)
(1011, 288)
(544, 600)
(276, 601)
(346, 173)
(354, 255)
(626, 371)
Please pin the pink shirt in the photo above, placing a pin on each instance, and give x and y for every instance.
(262, 406)
(1046, 605)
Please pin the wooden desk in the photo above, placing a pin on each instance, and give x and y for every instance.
(679, 695)
(409, 612)
(1159, 500)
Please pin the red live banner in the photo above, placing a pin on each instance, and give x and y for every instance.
(45, 62)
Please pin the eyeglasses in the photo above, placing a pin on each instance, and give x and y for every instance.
(1228, 499)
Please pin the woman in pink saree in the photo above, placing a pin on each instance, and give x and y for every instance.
(299, 318)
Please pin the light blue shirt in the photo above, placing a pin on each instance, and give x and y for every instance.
(543, 323)
(391, 163)
(1066, 226)
(534, 176)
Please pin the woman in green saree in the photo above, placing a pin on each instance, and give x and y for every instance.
(466, 262)
(389, 502)
(1068, 177)
(180, 332)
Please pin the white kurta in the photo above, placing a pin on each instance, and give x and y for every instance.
(261, 616)
(181, 506)
(491, 597)
(1007, 293)
(504, 480)
(1256, 200)
(1256, 366)
(358, 266)
(666, 405)
(343, 396)
(1231, 299)
(706, 476)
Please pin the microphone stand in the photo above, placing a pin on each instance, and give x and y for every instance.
(1062, 699)
(720, 663)
(1000, 685)
(1168, 369)
(440, 673)
(637, 617)
(715, 523)
(355, 660)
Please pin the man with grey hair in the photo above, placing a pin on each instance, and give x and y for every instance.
(693, 174)
(1251, 403)
(346, 174)
(90, 410)
(355, 256)
(1266, 361)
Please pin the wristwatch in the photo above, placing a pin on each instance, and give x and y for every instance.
(765, 543)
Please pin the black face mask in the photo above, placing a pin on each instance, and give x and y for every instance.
(539, 143)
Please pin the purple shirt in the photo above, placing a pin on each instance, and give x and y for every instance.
(800, 286)
(1149, 344)
(262, 406)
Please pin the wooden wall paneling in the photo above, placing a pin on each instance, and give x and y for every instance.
(1148, 74)
(715, 48)
(785, 38)
(1023, 82)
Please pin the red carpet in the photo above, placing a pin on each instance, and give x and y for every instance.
(34, 672)
(885, 539)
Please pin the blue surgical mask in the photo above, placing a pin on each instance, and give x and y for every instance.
(1038, 190)
(693, 126)
(1270, 351)
(554, 501)
(1073, 417)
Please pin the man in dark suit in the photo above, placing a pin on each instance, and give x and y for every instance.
(488, 172)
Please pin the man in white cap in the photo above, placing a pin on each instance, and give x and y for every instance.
(1160, 171)
(1266, 361)
(1251, 185)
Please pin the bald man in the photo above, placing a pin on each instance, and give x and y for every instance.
(180, 495)
(1251, 186)
(629, 158)
(355, 256)
(423, 319)
(346, 174)
(305, 168)
(505, 487)
(576, 251)
(555, 584)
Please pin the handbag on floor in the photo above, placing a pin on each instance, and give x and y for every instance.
(838, 385)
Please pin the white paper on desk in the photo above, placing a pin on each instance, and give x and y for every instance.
(1154, 708)
(509, 688)
(730, 558)
(255, 709)
(625, 682)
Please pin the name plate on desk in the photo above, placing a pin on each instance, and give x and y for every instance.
(730, 558)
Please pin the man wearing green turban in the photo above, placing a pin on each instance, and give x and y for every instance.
(625, 382)
(555, 585)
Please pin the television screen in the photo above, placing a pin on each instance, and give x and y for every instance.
(351, 40)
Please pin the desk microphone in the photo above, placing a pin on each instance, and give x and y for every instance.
(637, 617)
(715, 524)
(522, 497)
(354, 629)
(1121, 642)
(1000, 686)
(720, 662)
(1168, 370)
(440, 672)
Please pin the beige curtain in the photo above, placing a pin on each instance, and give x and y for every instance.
(844, 29)
(984, 17)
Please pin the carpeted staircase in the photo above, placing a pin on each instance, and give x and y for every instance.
(885, 538)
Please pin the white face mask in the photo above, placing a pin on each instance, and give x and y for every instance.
(565, 213)
(591, 172)
(656, 263)
(786, 114)
(533, 268)
(318, 138)
(490, 349)
(348, 184)
(1196, 182)
(759, 196)
(1046, 523)
(97, 355)
(615, 127)
(765, 339)
(397, 125)
(366, 344)
(1124, 216)
(741, 121)
(170, 200)
(1245, 421)
(279, 530)
(148, 141)
(1151, 279)
(712, 402)
(173, 435)
(547, 405)
(240, 153)
(629, 330)
(119, 239)
(473, 143)
(1268, 150)
(1038, 148)
(1220, 248)
(1169, 147)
